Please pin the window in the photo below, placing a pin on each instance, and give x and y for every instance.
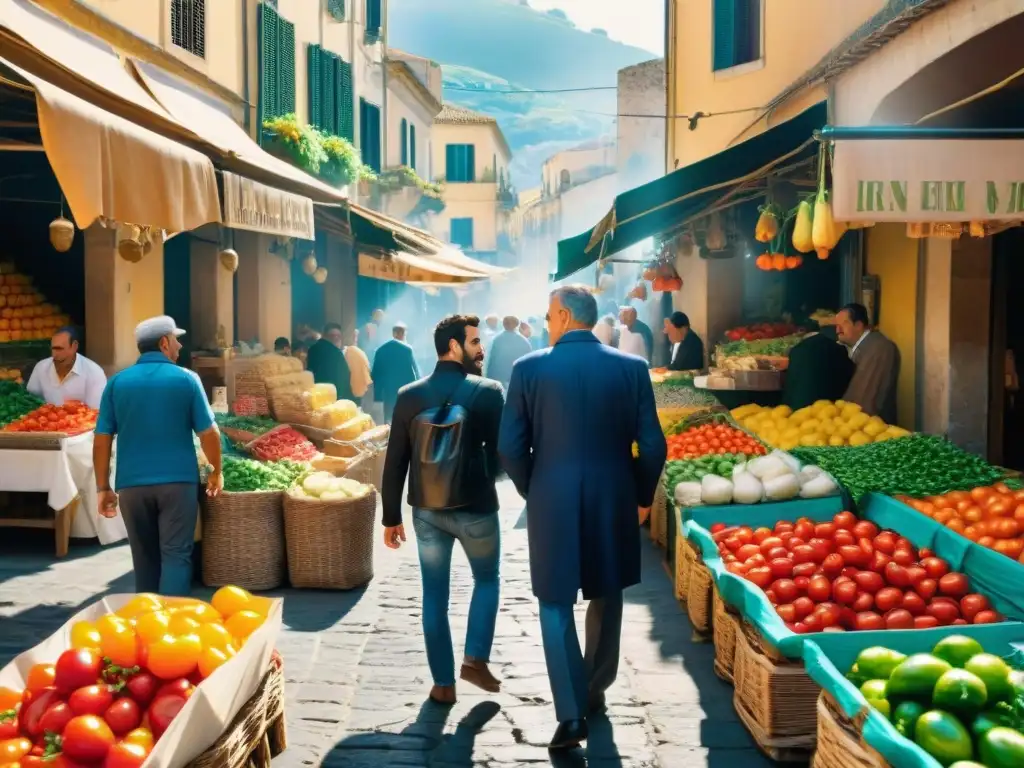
(412, 146)
(369, 132)
(736, 33)
(564, 179)
(329, 82)
(462, 233)
(277, 64)
(460, 163)
(404, 140)
(373, 20)
(188, 26)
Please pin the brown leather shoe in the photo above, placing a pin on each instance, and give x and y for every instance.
(477, 673)
(443, 695)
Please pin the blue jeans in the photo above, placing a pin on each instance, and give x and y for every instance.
(480, 537)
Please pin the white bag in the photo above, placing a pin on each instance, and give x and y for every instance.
(208, 712)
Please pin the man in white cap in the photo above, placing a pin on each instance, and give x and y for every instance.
(154, 407)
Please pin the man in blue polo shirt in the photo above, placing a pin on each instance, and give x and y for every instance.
(153, 408)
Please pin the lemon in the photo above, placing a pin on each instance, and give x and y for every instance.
(897, 432)
(791, 433)
(811, 425)
(858, 420)
(836, 440)
(807, 439)
(874, 427)
(840, 404)
(782, 411)
(881, 438)
(859, 438)
(844, 432)
(849, 410)
(230, 600)
(828, 412)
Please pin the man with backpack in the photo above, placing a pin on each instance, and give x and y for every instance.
(444, 436)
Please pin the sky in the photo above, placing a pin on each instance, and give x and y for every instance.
(637, 22)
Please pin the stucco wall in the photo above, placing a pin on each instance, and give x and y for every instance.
(482, 136)
(403, 104)
(575, 162)
(640, 150)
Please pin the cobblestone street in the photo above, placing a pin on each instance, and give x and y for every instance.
(358, 679)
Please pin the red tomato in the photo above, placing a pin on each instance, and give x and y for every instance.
(926, 588)
(747, 551)
(772, 598)
(804, 607)
(9, 728)
(793, 542)
(805, 569)
(123, 716)
(879, 561)
(828, 614)
(832, 565)
(804, 529)
(885, 542)
(924, 552)
(945, 612)
(770, 543)
(935, 567)
(802, 582)
(125, 756)
(954, 585)
(844, 538)
(888, 599)
(865, 602)
(813, 623)
(91, 700)
(745, 534)
(869, 581)
(180, 687)
(87, 738)
(987, 617)
(847, 617)
(825, 531)
(757, 560)
(142, 687)
(904, 557)
(800, 628)
(786, 612)
(972, 605)
(163, 710)
(899, 619)
(845, 520)
(782, 567)
(777, 552)
(717, 528)
(762, 533)
(56, 718)
(865, 529)
(821, 549)
(785, 590)
(732, 543)
(853, 555)
(76, 668)
(783, 527)
(761, 577)
(819, 589)
(844, 593)
(33, 707)
(925, 622)
(897, 575)
(914, 603)
(869, 620)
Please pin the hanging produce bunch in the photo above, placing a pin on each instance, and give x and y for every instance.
(771, 229)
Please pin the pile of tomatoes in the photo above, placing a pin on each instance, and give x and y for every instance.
(71, 418)
(710, 439)
(108, 699)
(847, 574)
(992, 515)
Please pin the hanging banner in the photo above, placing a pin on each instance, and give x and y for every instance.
(928, 180)
(259, 208)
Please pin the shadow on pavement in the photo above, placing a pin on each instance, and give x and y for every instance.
(27, 551)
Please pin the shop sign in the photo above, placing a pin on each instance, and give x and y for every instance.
(928, 180)
(259, 208)
(397, 270)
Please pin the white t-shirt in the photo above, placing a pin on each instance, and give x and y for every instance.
(85, 382)
(630, 342)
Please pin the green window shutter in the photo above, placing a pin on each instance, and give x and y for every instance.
(461, 233)
(268, 26)
(470, 163)
(314, 59)
(412, 147)
(373, 20)
(286, 67)
(724, 34)
(404, 139)
(346, 102)
(328, 91)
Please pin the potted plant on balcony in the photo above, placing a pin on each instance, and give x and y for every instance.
(286, 138)
(342, 165)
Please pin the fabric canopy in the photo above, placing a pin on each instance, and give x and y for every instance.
(670, 201)
(402, 267)
(109, 167)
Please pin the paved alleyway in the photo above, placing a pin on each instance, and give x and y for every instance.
(357, 673)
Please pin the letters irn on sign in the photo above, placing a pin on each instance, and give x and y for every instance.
(928, 180)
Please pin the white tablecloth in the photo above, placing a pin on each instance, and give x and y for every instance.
(62, 475)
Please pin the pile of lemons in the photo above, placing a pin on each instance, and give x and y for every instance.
(823, 423)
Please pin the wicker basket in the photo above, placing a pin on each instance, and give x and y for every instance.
(775, 698)
(659, 515)
(698, 598)
(330, 543)
(686, 553)
(369, 468)
(725, 623)
(243, 540)
(840, 744)
(258, 732)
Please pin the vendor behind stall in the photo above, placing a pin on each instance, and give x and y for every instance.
(687, 352)
(819, 369)
(67, 375)
(877, 361)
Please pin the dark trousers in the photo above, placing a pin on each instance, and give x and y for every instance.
(577, 677)
(161, 524)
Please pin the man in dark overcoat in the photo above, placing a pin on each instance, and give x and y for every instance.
(394, 366)
(572, 415)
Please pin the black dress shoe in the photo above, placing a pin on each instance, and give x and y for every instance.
(596, 704)
(569, 734)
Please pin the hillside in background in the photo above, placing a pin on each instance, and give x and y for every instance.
(501, 45)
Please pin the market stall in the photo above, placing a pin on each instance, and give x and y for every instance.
(867, 609)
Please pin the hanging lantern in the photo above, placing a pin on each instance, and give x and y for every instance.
(320, 275)
(229, 259)
(309, 264)
(62, 234)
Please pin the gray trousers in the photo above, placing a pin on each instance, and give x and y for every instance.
(577, 677)
(161, 524)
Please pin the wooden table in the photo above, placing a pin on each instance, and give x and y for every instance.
(59, 523)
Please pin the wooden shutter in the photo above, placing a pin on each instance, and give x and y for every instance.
(345, 104)
(286, 67)
(412, 146)
(404, 140)
(268, 39)
(314, 60)
(470, 164)
(724, 33)
(329, 91)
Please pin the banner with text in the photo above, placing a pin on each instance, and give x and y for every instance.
(928, 180)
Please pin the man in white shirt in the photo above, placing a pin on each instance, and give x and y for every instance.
(67, 375)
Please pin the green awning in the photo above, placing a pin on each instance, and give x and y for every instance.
(666, 203)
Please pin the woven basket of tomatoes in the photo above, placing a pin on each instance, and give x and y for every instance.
(139, 679)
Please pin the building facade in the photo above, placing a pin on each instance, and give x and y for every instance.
(640, 126)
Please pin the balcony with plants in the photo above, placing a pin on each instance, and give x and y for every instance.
(332, 159)
(401, 192)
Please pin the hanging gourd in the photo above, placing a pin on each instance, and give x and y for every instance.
(823, 228)
(764, 262)
(715, 238)
(229, 259)
(309, 264)
(320, 275)
(803, 240)
(62, 234)
(767, 226)
(792, 262)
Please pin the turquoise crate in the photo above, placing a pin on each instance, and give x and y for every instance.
(828, 656)
(1005, 595)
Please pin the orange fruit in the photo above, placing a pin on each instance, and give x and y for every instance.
(182, 624)
(243, 624)
(151, 626)
(9, 698)
(85, 635)
(211, 659)
(40, 676)
(204, 613)
(172, 656)
(118, 641)
(231, 600)
(141, 603)
(214, 636)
